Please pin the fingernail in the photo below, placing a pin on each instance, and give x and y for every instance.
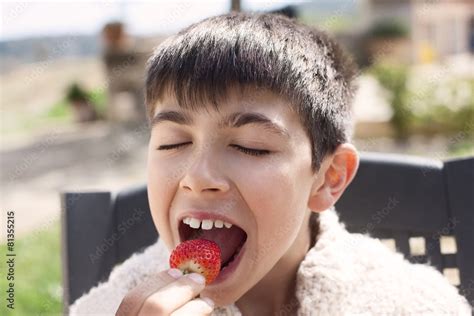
(175, 273)
(196, 277)
(208, 301)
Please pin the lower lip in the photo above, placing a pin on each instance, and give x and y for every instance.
(231, 267)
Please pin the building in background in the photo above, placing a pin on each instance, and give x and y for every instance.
(125, 59)
(410, 31)
(437, 28)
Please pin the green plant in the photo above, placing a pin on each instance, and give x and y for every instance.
(96, 98)
(394, 79)
(445, 105)
(462, 149)
(99, 100)
(37, 281)
(76, 93)
(60, 110)
(389, 29)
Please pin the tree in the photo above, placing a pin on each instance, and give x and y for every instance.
(235, 5)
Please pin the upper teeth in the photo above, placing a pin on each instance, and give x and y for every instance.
(205, 223)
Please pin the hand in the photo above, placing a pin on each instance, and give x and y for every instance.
(168, 293)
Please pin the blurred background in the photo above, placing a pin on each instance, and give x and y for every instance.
(72, 113)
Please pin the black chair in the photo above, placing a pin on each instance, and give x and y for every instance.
(392, 196)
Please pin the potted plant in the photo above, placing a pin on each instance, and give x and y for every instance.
(83, 109)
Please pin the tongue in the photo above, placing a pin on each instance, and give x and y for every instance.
(228, 240)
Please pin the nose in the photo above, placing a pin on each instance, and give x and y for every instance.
(203, 175)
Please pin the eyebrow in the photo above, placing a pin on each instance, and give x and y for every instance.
(233, 120)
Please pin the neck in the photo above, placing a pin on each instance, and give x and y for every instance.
(275, 293)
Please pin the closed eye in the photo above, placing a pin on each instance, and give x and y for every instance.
(168, 147)
(248, 151)
(253, 152)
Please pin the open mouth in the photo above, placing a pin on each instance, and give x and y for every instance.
(230, 240)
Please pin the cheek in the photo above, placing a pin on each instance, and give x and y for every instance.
(273, 196)
(161, 181)
(278, 216)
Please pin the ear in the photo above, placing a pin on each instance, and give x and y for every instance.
(335, 174)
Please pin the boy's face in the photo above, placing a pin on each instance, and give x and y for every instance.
(267, 196)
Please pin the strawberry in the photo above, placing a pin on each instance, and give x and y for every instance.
(198, 255)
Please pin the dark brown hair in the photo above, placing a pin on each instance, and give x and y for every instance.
(265, 51)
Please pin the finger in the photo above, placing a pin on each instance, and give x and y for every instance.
(199, 306)
(134, 299)
(174, 295)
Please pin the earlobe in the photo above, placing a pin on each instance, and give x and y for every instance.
(321, 197)
(320, 200)
(337, 173)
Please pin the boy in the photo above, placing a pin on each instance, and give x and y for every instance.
(250, 131)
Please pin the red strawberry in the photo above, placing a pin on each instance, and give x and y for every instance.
(198, 255)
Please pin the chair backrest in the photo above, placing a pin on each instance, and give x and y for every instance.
(392, 197)
(426, 207)
(100, 230)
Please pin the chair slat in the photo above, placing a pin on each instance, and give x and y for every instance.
(418, 259)
(88, 252)
(459, 175)
(401, 240)
(434, 253)
(450, 261)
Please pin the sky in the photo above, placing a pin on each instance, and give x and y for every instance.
(38, 18)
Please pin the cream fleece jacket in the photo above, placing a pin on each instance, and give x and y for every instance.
(343, 274)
